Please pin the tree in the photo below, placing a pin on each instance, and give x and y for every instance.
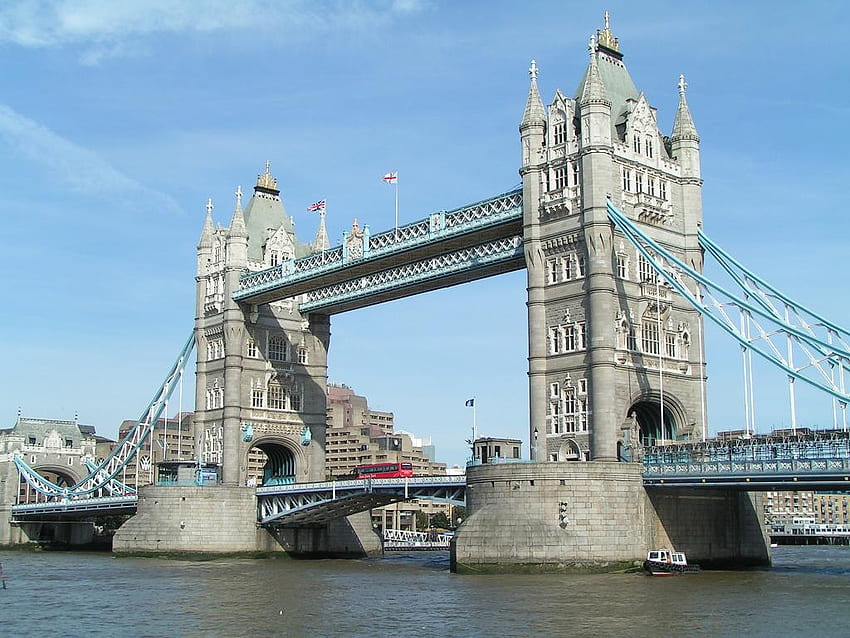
(440, 520)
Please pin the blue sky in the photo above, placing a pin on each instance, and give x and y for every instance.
(118, 120)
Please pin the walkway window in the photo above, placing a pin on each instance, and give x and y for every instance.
(278, 350)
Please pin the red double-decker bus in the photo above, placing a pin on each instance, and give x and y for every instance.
(384, 470)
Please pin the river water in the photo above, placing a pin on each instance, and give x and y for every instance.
(805, 593)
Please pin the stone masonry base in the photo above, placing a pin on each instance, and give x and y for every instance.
(596, 516)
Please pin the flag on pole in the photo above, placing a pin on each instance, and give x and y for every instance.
(320, 205)
(391, 178)
(470, 403)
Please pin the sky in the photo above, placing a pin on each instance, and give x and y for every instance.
(118, 120)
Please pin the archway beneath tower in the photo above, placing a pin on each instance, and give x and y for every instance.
(655, 425)
(270, 463)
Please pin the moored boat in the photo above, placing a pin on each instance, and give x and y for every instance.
(665, 562)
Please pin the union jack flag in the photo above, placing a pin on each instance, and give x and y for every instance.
(391, 178)
(320, 205)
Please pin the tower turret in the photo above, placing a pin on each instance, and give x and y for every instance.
(532, 130)
(206, 241)
(237, 236)
(596, 155)
(684, 142)
(594, 104)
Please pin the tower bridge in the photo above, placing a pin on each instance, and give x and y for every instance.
(608, 224)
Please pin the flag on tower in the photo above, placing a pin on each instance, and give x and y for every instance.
(391, 178)
(320, 205)
(470, 403)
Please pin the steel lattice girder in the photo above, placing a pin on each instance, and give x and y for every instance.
(319, 503)
(444, 270)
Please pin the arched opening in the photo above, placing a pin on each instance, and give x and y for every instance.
(653, 429)
(270, 463)
(27, 494)
(570, 450)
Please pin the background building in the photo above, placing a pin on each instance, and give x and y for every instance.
(356, 435)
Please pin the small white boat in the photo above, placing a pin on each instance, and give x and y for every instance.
(665, 562)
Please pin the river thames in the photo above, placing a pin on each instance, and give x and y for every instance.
(806, 592)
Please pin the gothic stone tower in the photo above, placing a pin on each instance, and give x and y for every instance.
(613, 354)
(261, 381)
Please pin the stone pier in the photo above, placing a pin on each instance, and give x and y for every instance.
(223, 520)
(597, 516)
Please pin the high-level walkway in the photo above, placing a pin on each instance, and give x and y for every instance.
(444, 249)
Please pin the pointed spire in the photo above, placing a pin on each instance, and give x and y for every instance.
(237, 224)
(321, 242)
(683, 125)
(207, 232)
(594, 88)
(534, 112)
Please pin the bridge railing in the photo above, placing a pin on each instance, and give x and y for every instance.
(827, 444)
(747, 468)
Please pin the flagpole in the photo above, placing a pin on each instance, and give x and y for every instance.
(396, 209)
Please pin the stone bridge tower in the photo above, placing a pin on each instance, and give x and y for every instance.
(613, 354)
(261, 380)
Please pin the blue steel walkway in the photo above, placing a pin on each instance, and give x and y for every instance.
(802, 461)
(441, 250)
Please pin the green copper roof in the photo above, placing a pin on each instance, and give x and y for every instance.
(619, 87)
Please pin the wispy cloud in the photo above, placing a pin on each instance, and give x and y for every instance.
(109, 29)
(79, 169)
